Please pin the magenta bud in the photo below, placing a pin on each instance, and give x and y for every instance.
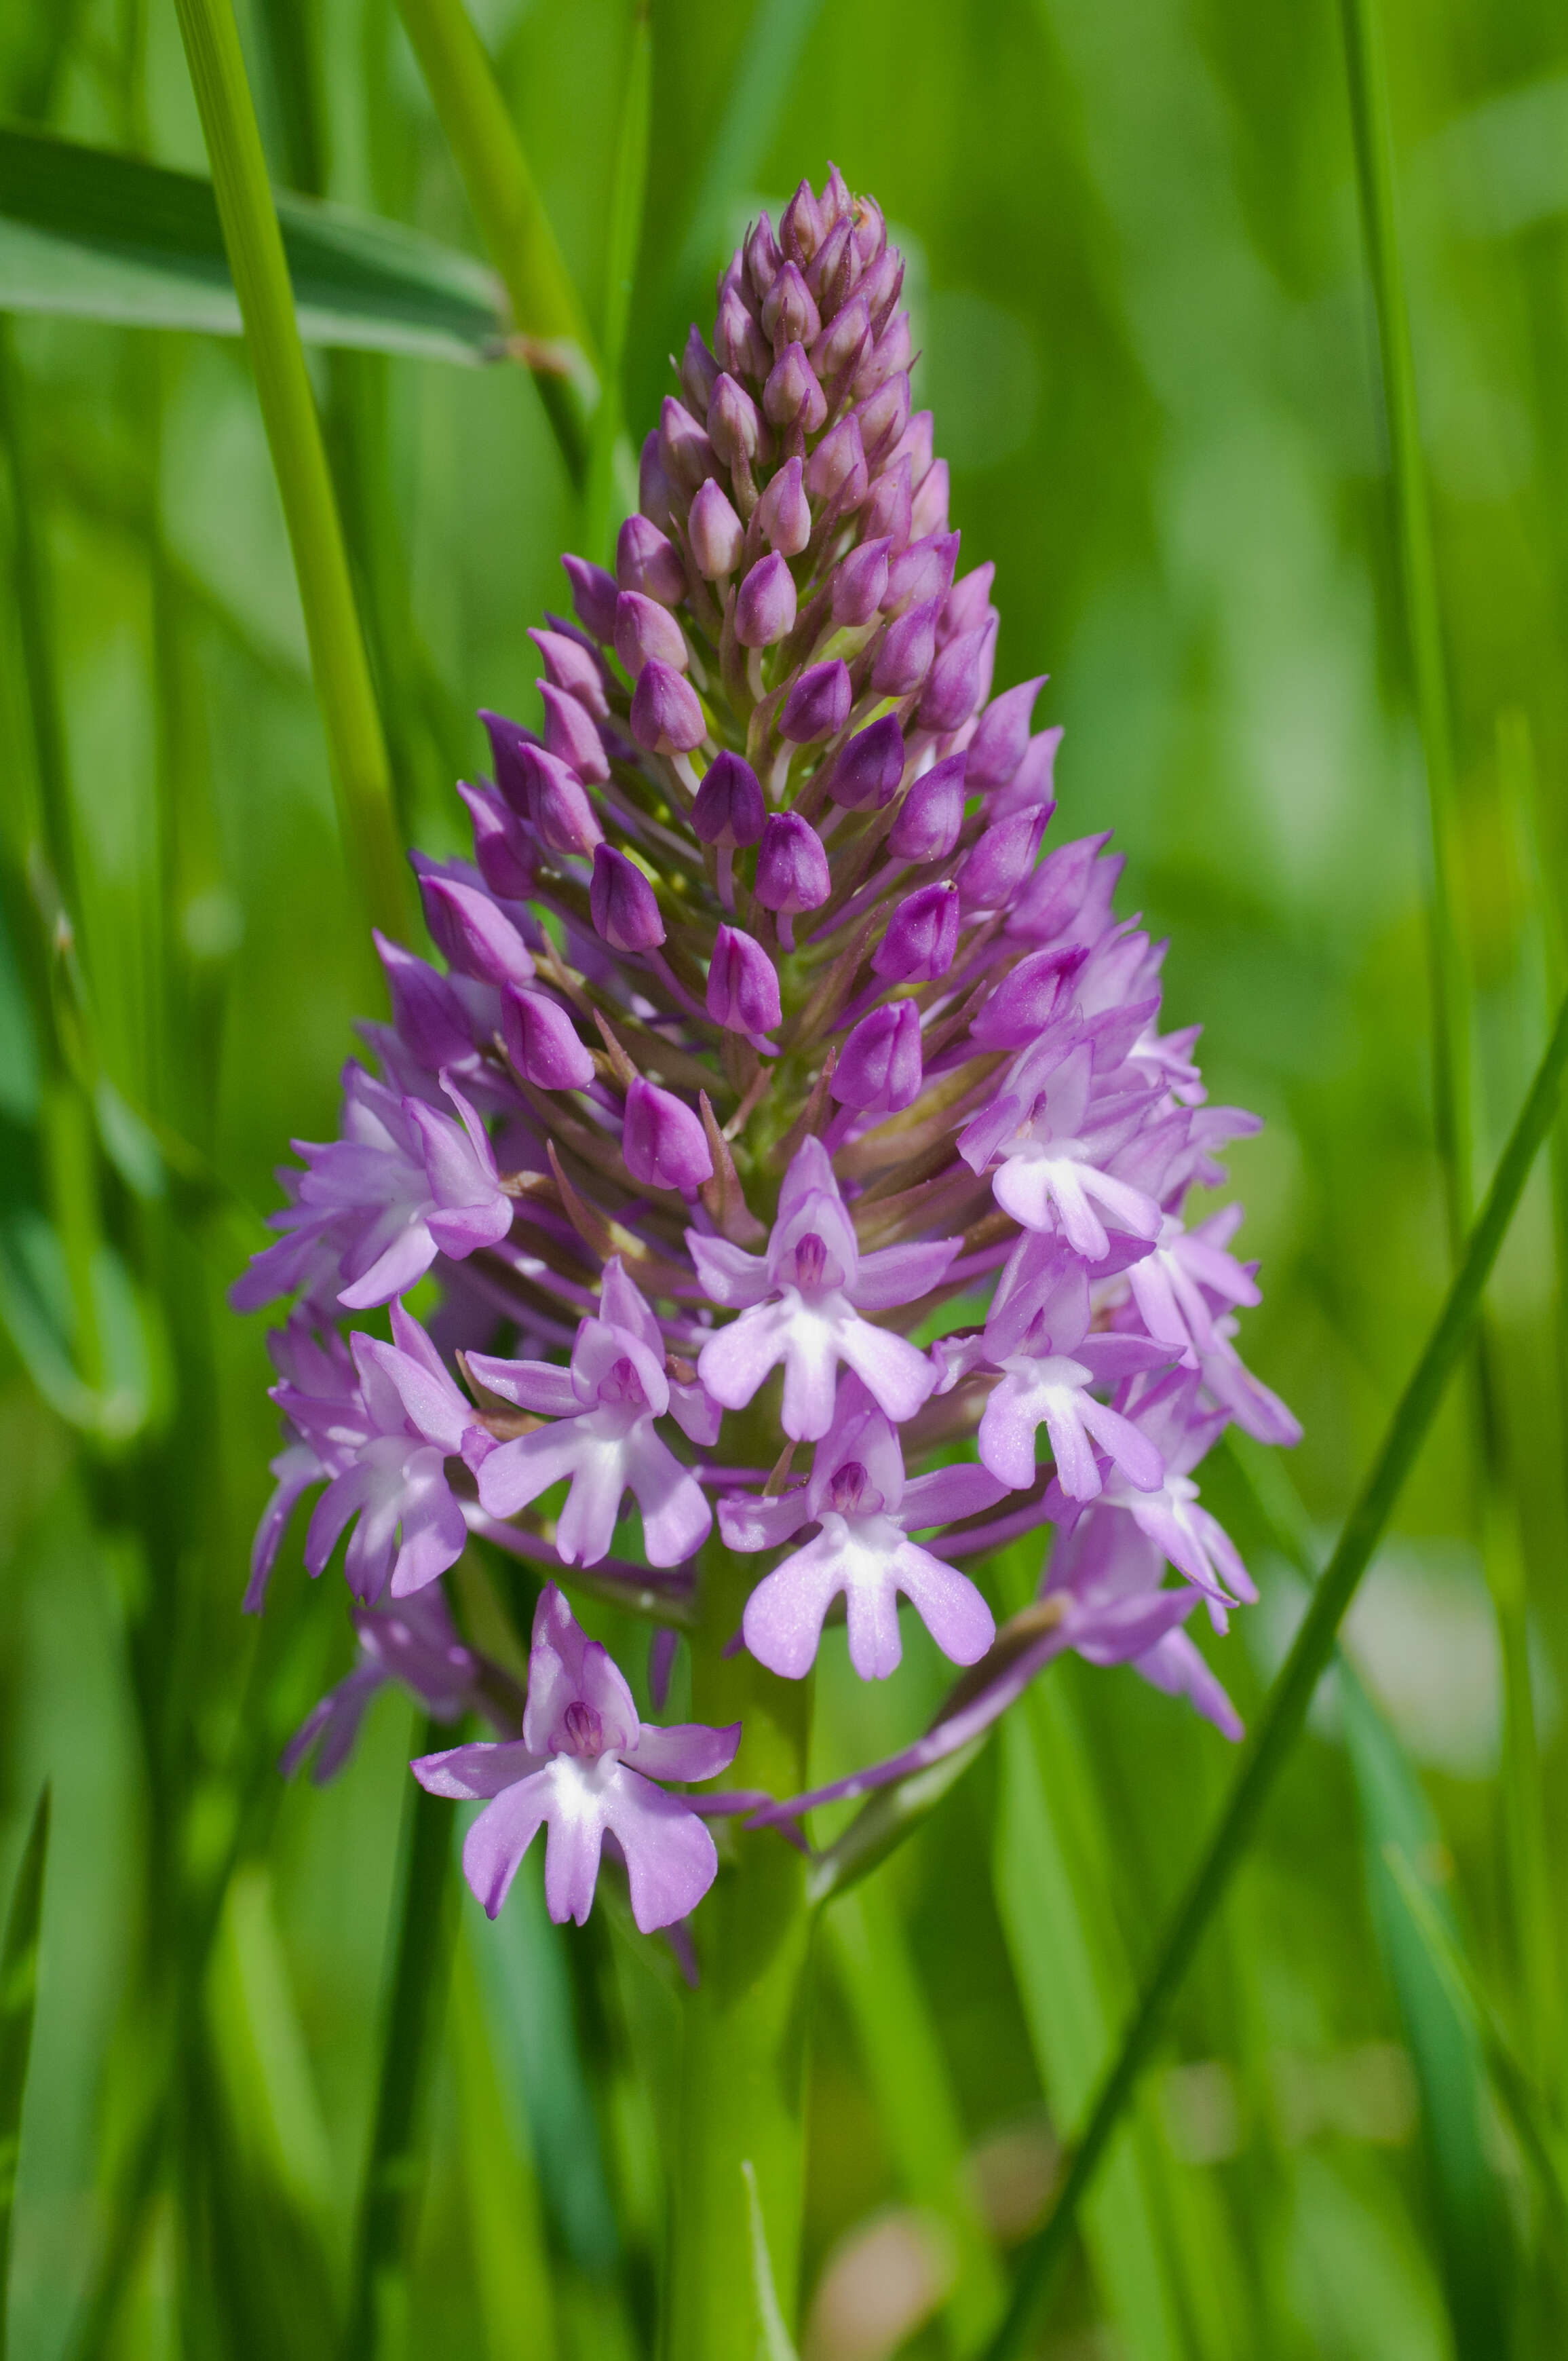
(558, 804)
(571, 667)
(884, 282)
(860, 582)
(734, 423)
(886, 511)
(883, 416)
(789, 311)
(730, 808)
(742, 984)
(838, 349)
(1002, 737)
(698, 369)
(921, 570)
(764, 606)
(871, 232)
(889, 358)
(993, 872)
(426, 1012)
(792, 396)
(818, 704)
(662, 1141)
(922, 935)
(869, 768)
(834, 270)
(969, 604)
(472, 936)
(647, 561)
(954, 685)
(645, 632)
(716, 533)
(927, 825)
(740, 343)
(929, 512)
(880, 1067)
(624, 905)
(543, 1043)
(685, 451)
(906, 651)
(655, 493)
(1029, 997)
(667, 717)
(837, 469)
(802, 228)
(785, 511)
(509, 742)
(503, 854)
(1034, 781)
(792, 866)
(593, 597)
(761, 257)
(837, 203)
(570, 733)
(914, 443)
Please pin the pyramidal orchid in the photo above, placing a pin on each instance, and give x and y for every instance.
(782, 1081)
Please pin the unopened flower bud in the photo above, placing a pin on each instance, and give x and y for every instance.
(558, 804)
(624, 905)
(929, 513)
(543, 1043)
(868, 767)
(785, 511)
(835, 203)
(427, 1015)
(993, 872)
(655, 493)
(1034, 781)
(927, 822)
(843, 343)
(734, 427)
(742, 984)
(1002, 734)
(571, 667)
(645, 632)
(698, 369)
(472, 935)
(860, 582)
(684, 450)
(716, 533)
(662, 1141)
(834, 270)
(648, 562)
(509, 742)
(761, 257)
(922, 935)
(905, 652)
(954, 685)
(921, 570)
(969, 604)
(593, 597)
(738, 341)
(1029, 997)
(880, 1068)
(915, 444)
(729, 807)
(887, 358)
(871, 230)
(570, 733)
(883, 416)
(792, 866)
(818, 704)
(802, 228)
(885, 515)
(666, 716)
(792, 396)
(837, 469)
(502, 851)
(765, 605)
(882, 287)
(789, 312)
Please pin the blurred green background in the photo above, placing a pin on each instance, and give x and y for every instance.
(1137, 270)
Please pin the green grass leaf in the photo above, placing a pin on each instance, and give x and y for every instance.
(97, 235)
(777, 2344)
(18, 1995)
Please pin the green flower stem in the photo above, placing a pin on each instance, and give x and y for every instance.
(359, 766)
(743, 2069)
(554, 339)
(1285, 1711)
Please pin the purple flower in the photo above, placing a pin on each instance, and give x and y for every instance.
(1038, 1336)
(601, 1438)
(801, 1303)
(583, 1769)
(880, 1071)
(1055, 1146)
(414, 1643)
(864, 1509)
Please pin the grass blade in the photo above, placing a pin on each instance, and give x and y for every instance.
(18, 1993)
(552, 333)
(507, 2232)
(612, 492)
(1286, 1708)
(92, 235)
(378, 2293)
(359, 766)
(776, 2345)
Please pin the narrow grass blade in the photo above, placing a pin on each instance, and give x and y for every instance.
(551, 333)
(92, 235)
(776, 2343)
(507, 2232)
(19, 1993)
(914, 2101)
(611, 490)
(378, 2293)
(1418, 594)
(360, 769)
(1285, 1711)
